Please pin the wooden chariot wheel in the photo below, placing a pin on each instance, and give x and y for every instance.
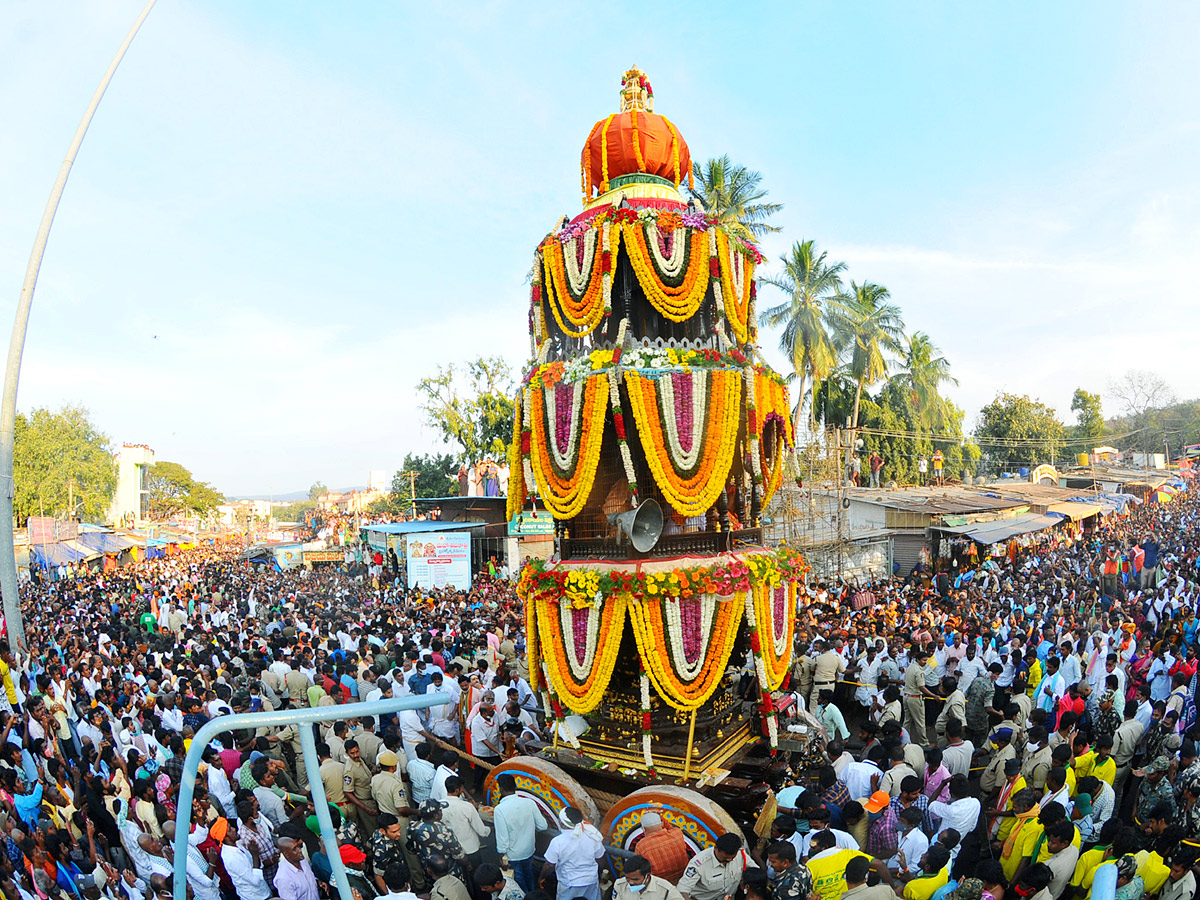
(549, 786)
(700, 819)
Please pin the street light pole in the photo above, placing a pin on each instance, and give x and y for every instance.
(8, 405)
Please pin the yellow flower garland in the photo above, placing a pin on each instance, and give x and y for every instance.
(737, 308)
(576, 319)
(676, 303)
(581, 698)
(674, 149)
(516, 484)
(604, 153)
(690, 496)
(531, 645)
(648, 631)
(565, 498)
(637, 148)
(772, 482)
(776, 659)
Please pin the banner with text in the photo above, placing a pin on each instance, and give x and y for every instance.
(439, 559)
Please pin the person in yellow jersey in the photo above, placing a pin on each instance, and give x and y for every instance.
(827, 865)
(1003, 817)
(1115, 841)
(8, 697)
(1098, 761)
(1019, 843)
(935, 874)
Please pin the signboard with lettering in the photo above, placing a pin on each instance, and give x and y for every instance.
(528, 523)
(439, 559)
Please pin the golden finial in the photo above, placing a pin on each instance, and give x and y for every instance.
(636, 92)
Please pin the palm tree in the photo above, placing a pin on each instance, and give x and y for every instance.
(922, 375)
(734, 195)
(868, 327)
(810, 283)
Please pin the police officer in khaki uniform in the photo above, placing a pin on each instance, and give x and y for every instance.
(356, 782)
(716, 872)
(390, 795)
(913, 695)
(333, 775)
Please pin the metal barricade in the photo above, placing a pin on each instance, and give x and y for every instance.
(304, 718)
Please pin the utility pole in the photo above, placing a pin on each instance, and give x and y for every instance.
(16, 348)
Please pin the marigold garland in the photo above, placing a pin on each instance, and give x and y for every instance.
(677, 303)
(604, 153)
(581, 697)
(776, 652)
(532, 659)
(565, 475)
(637, 147)
(516, 485)
(674, 149)
(650, 631)
(737, 276)
(577, 314)
(772, 481)
(690, 493)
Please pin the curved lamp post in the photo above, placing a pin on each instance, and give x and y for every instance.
(8, 405)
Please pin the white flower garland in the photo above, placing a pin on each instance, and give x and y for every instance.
(737, 273)
(752, 409)
(668, 266)
(579, 274)
(580, 668)
(674, 613)
(607, 278)
(566, 461)
(761, 670)
(716, 282)
(647, 755)
(530, 483)
(685, 460)
(614, 397)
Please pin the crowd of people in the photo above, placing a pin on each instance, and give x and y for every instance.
(1005, 730)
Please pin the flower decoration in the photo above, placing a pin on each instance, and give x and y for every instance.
(567, 430)
(689, 441)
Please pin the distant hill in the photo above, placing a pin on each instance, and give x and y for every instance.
(293, 496)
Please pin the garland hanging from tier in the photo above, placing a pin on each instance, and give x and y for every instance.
(566, 431)
(772, 626)
(644, 693)
(516, 471)
(674, 281)
(773, 403)
(686, 663)
(688, 425)
(574, 284)
(532, 657)
(772, 467)
(579, 645)
(736, 287)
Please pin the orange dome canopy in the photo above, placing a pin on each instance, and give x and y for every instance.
(634, 141)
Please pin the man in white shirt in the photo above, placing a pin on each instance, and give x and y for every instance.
(912, 846)
(572, 857)
(962, 812)
(243, 866)
(447, 769)
(517, 820)
(463, 819)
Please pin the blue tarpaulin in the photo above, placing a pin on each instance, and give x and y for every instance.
(62, 553)
(106, 542)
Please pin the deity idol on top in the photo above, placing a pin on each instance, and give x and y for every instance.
(646, 379)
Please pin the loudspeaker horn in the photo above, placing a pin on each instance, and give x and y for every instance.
(643, 526)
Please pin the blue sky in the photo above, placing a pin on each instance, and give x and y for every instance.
(285, 214)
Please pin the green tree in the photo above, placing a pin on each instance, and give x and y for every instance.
(810, 282)
(172, 490)
(1089, 420)
(479, 419)
(57, 456)
(436, 476)
(869, 328)
(735, 195)
(317, 491)
(293, 512)
(923, 372)
(1018, 431)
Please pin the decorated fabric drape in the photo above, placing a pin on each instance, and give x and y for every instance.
(671, 263)
(578, 277)
(579, 644)
(736, 284)
(685, 644)
(688, 425)
(566, 430)
(774, 622)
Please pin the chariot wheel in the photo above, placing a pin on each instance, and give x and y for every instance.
(547, 785)
(700, 819)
